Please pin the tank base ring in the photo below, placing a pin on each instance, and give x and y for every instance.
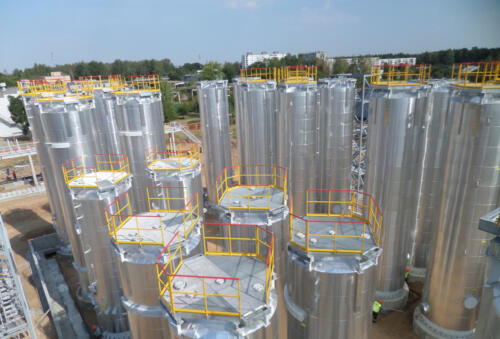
(426, 329)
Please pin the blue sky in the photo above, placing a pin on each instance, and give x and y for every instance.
(57, 32)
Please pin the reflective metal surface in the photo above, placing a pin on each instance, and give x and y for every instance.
(335, 132)
(239, 118)
(214, 112)
(471, 188)
(330, 296)
(432, 137)
(33, 114)
(90, 207)
(68, 128)
(488, 324)
(298, 106)
(108, 137)
(258, 123)
(140, 123)
(391, 155)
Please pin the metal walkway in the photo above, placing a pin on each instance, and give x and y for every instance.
(22, 192)
(16, 150)
(173, 127)
(15, 316)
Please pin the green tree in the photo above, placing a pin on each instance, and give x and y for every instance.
(340, 66)
(212, 71)
(167, 100)
(18, 113)
(323, 69)
(231, 70)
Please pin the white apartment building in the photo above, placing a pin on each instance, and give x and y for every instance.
(248, 59)
(398, 61)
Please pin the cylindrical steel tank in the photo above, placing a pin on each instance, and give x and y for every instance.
(471, 188)
(298, 107)
(432, 138)
(335, 132)
(214, 112)
(258, 119)
(90, 205)
(108, 137)
(240, 120)
(391, 154)
(68, 128)
(33, 115)
(140, 123)
(488, 324)
(330, 296)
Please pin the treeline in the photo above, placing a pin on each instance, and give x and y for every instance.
(443, 60)
(164, 68)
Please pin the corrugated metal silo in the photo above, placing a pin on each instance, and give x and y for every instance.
(106, 127)
(471, 188)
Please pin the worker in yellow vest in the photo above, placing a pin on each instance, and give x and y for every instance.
(407, 274)
(377, 307)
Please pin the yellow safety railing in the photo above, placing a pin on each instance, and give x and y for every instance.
(336, 204)
(121, 220)
(136, 84)
(42, 87)
(400, 75)
(172, 200)
(250, 75)
(103, 81)
(105, 163)
(298, 74)
(236, 243)
(250, 177)
(180, 155)
(476, 75)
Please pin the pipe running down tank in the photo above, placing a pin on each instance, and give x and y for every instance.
(333, 253)
(471, 188)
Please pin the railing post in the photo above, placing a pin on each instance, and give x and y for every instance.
(171, 293)
(307, 235)
(205, 296)
(257, 238)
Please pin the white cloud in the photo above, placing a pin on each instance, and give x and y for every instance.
(325, 15)
(248, 4)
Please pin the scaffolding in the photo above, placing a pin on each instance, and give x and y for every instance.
(15, 316)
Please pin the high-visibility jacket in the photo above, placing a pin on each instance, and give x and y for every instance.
(407, 274)
(377, 306)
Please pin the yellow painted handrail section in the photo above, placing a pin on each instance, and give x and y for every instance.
(298, 74)
(119, 215)
(249, 177)
(337, 203)
(263, 74)
(481, 75)
(181, 155)
(170, 261)
(399, 75)
(106, 162)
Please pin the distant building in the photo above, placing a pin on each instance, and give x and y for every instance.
(312, 56)
(398, 61)
(57, 76)
(189, 77)
(248, 59)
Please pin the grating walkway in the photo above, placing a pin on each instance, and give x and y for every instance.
(253, 197)
(250, 271)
